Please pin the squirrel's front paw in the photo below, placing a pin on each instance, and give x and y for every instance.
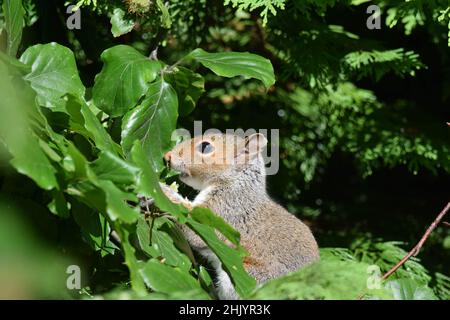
(171, 193)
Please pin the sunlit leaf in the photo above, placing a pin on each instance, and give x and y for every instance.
(111, 167)
(163, 278)
(148, 183)
(230, 258)
(407, 289)
(119, 24)
(152, 123)
(124, 79)
(54, 74)
(13, 14)
(231, 64)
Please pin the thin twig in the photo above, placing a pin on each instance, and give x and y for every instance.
(446, 223)
(419, 245)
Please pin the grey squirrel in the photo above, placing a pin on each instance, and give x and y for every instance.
(229, 172)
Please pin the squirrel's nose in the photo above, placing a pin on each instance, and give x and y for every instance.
(167, 156)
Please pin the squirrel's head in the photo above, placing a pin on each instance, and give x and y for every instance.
(217, 158)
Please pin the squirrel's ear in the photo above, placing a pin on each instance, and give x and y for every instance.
(255, 143)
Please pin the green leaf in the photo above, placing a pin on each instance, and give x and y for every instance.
(173, 230)
(152, 123)
(148, 184)
(16, 134)
(59, 206)
(207, 217)
(169, 252)
(230, 258)
(15, 66)
(54, 74)
(189, 87)
(163, 278)
(165, 16)
(94, 227)
(119, 24)
(172, 256)
(99, 135)
(137, 281)
(205, 277)
(84, 121)
(162, 244)
(331, 278)
(116, 205)
(124, 79)
(101, 194)
(408, 289)
(143, 235)
(30, 160)
(76, 163)
(13, 15)
(88, 193)
(109, 166)
(231, 64)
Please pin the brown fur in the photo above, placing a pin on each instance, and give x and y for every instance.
(231, 180)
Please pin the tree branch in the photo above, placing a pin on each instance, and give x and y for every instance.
(415, 251)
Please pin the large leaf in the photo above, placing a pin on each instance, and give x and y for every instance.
(119, 24)
(331, 278)
(30, 160)
(172, 241)
(408, 289)
(173, 230)
(15, 66)
(161, 245)
(230, 258)
(163, 278)
(168, 249)
(143, 235)
(13, 13)
(137, 281)
(148, 184)
(99, 135)
(53, 74)
(109, 166)
(94, 227)
(84, 122)
(101, 194)
(15, 132)
(231, 64)
(124, 79)
(152, 123)
(116, 205)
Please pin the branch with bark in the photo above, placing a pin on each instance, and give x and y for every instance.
(415, 251)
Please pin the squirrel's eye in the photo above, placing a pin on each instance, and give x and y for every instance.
(205, 147)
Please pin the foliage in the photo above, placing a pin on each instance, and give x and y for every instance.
(88, 114)
(338, 277)
(81, 165)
